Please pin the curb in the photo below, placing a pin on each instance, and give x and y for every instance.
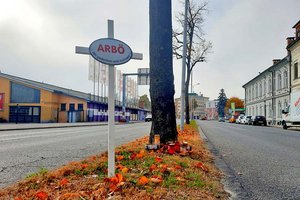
(63, 126)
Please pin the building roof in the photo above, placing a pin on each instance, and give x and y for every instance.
(293, 43)
(296, 24)
(48, 87)
(285, 59)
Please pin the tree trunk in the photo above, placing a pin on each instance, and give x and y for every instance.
(161, 72)
(187, 105)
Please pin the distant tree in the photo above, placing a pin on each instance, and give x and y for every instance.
(237, 101)
(161, 72)
(144, 98)
(222, 103)
(197, 46)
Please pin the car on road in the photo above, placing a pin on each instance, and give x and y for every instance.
(259, 120)
(246, 120)
(239, 119)
(148, 118)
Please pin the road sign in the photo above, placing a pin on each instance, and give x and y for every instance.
(143, 76)
(110, 51)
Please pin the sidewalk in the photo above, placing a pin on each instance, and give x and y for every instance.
(12, 126)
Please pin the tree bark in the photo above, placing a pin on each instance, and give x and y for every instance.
(161, 72)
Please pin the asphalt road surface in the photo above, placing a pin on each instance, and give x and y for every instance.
(264, 160)
(26, 151)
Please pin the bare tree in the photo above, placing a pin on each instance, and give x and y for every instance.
(197, 46)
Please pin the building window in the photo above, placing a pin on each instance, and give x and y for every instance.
(80, 107)
(270, 85)
(279, 110)
(23, 94)
(285, 104)
(285, 79)
(252, 92)
(260, 89)
(249, 95)
(264, 87)
(72, 107)
(295, 70)
(256, 91)
(270, 110)
(63, 107)
(279, 82)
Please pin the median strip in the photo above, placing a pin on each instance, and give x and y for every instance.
(140, 173)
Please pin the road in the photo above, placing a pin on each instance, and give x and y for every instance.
(264, 160)
(26, 151)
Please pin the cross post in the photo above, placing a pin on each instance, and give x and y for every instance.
(111, 100)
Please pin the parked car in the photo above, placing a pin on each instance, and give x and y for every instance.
(148, 118)
(246, 120)
(259, 120)
(239, 119)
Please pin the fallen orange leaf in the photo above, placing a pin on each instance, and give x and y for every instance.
(119, 158)
(41, 195)
(119, 177)
(143, 180)
(202, 166)
(133, 156)
(140, 154)
(152, 167)
(158, 159)
(18, 198)
(68, 195)
(125, 170)
(83, 166)
(63, 181)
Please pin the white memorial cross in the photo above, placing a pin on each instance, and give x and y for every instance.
(111, 96)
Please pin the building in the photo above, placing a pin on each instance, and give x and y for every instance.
(27, 101)
(268, 93)
(293, 47)
(211, 109)
(197, 105)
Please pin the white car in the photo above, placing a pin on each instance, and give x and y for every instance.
(148, 118)
(239, 119)
(245, 120)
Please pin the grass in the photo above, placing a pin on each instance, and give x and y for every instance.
(42, 171)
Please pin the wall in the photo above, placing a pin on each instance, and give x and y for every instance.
(295, 53)
(5, 88)
(63, 115)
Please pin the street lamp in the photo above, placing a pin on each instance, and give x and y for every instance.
(192, 87)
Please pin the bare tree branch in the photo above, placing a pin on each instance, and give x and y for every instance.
(197, 46)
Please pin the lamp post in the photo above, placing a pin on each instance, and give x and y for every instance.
(192, 87)
(183, 65)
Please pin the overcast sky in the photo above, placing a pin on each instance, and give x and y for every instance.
(38, 39)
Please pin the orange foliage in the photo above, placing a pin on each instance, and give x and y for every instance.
(83, 166)
(238, 102)
(202, 166)
(143, 180)
(63, 181)
(41, 195)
